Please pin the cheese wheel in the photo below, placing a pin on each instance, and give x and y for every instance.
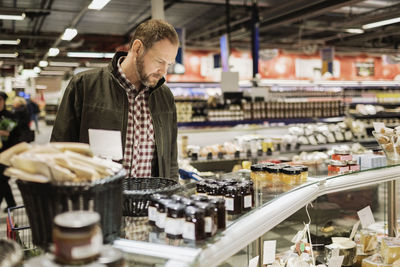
(390, 249)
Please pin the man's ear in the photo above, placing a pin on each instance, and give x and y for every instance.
(137, 44)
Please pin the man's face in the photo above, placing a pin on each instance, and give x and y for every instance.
(152, 64)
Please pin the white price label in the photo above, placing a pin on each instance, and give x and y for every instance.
(336, 261)
(353, 232)
(152, 214)
(208, 224)
(335, 252)
(366, 217)
(189, 231)
(253, 262)
(247, 201)
(269, 251)
(229, 204)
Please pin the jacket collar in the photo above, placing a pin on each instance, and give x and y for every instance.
(113, 68)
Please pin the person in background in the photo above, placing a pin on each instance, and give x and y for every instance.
(34, 111)
(8, 140)
(21, 115)
(129, 96)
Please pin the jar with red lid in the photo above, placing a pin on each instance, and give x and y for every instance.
(341, 155)
(353, 166)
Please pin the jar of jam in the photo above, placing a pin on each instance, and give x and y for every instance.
(229, 182)
(303, 173)
(201, 188)
(247, 201)
(213, 191)
(341, 155)
(290, 175)
(257, 173)
(210, 217)
(337, 167)
(199, 198)
(233, 200)
(273, 174)
(353, 166)
(176, 198)
(152, 209)
(174, 220)
(77, 237)
(187, 201)
(162, 212)
(221, 212)
(194, 225)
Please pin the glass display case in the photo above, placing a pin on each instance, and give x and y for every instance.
(277, 215)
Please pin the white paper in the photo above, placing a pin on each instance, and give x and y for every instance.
(335, 252)
(106, 143)
(253, 262)
(353, 232)
(378, 126)
(366, 217)
(269, 251)
(336, 261)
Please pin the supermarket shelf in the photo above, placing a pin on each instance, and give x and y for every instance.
(263, 121)
(380, 115)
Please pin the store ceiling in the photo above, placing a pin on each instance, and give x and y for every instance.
(298, 25)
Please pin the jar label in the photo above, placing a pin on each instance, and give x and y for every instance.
(89, 250)
(247, 201)
(161, 220)
(189, 231)
(208, 224)
(229, 204)
(173, 226)
(152, 214)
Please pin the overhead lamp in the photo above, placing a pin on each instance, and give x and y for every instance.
(8, 55)
(98, 4)
(63, 64)
(43, 63)
(90, 54)
(354, 30)
(69, 34)
(37, 69)
(12, 16)
(10, 42)
(53, 52)
(381, 23)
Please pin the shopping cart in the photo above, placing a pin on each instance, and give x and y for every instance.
(18, 228)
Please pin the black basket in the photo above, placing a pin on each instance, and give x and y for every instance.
(137, 192)
(43, 201)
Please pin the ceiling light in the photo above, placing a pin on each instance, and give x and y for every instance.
(69, 34)
(64, 64)
(381, 23)
(52, 72)
(53, 52)
(90, 54)
(12, 17)
(37, 69)
(98, 4)
(10, 42)
(43, 63)
(9, 55)
(356, 31)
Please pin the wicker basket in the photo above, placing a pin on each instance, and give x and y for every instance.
(137, 192)
(44, 201)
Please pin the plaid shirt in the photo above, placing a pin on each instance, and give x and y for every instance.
(140, 144)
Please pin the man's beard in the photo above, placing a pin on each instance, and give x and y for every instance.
(145, 79)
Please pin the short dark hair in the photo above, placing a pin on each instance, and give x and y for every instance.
(154, 30)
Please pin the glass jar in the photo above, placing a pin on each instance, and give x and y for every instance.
(341, 155)
(176, 198)
(290, 175)
(201, 188)
(233, 200)
(213, 191)
(77, 237)
(246, 196)
(303, 173)
(353, 166)
(174, 220)
(152, 209)
(162, 212)
(187, 201)
(194, 225)
(210, 218)
(199, 198)
(257, 173)
(221, 212)
(337, 167)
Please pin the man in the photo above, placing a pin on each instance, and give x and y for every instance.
(129, 96)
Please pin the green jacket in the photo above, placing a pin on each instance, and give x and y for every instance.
(94, 99)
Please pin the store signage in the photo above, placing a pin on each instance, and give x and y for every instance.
(224, 45)
(327, 55)
(365, 69)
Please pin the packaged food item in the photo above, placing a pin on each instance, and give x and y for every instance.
(153, 205)
(347, 248)
(210, 218)
(337, 167)
(390, 249)
(233, 201)
(77, 237)
(221, 212)
(375, 260)
(194, 225)
(174, 221)
(368, 240)
(341, 155)
(290, 175)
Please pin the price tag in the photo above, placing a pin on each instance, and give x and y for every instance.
(253, 262)
(366, 217)
(353, 232)
(378, 126)
(335, 252)
(299, 236)
(336, 261)
(269, 251)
